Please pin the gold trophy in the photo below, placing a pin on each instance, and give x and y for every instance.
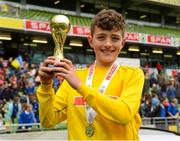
(60, 26)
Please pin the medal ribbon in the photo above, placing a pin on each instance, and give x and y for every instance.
(90, 113)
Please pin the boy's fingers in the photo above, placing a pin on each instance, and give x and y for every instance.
(48, 62)
(67, 61)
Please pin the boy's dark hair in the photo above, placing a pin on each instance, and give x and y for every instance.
(108, 19)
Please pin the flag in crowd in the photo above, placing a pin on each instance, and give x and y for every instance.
(17, 62)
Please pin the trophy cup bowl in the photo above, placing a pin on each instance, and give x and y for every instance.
(60, 26)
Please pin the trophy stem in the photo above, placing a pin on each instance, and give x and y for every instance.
(58, 53)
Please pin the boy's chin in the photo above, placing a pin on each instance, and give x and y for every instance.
(108, 62)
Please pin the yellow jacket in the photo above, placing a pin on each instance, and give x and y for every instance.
(117, 110)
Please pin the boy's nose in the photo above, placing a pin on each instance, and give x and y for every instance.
(108, 43)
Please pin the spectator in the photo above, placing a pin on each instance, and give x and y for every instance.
(16, 109)
(27, 117)
(171, 90)
(29, 88)
(152, 79)
(8, 109)
(172, 110)
(163, 107)
(155, 100)
(146, 105)
(24, 100)
(159, 67)
(146, 83)
(35, 106)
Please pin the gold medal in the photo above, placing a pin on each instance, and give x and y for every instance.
(89, 130)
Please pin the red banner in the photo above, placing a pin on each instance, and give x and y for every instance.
(132, 37)
(40, 26)
(162, 40)
(83, 31)
(37, 26)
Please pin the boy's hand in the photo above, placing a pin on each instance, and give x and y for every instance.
(66, 69)
(45, 72)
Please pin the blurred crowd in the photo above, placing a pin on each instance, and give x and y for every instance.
(161, 93)
(18, 101)
(19, 104)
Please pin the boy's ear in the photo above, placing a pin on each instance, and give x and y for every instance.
(89, 37)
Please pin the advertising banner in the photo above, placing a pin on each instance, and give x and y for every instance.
(83, 31)
(7, 23)
(37, 26)
(80, 30)
(159, 40)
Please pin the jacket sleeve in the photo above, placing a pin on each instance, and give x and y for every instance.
(120, 110)
(52, 108)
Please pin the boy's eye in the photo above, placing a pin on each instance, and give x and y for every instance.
(115, 38)
(101, 37)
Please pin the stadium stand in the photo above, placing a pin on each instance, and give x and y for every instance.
(44, 15)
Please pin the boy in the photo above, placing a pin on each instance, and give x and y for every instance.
(100, 102)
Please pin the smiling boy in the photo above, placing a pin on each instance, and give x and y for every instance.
(102, 101)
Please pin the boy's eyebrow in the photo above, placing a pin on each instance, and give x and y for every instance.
(100, 34)
(113, 35)
(118, 34)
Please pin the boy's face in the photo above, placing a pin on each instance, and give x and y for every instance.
(107, 45)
